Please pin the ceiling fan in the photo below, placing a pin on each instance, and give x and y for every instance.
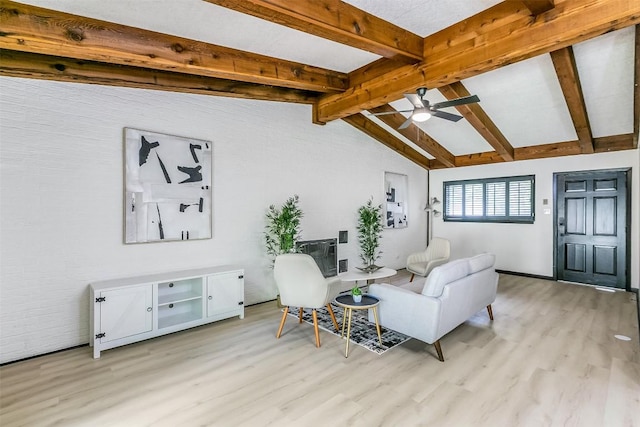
(423, 111)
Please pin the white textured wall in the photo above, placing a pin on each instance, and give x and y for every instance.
(528, 248)
(61, 216)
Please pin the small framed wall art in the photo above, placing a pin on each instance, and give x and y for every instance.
(167, 187)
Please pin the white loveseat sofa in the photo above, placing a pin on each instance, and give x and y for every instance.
(430, 308)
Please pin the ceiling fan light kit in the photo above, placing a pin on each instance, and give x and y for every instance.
(421, 115)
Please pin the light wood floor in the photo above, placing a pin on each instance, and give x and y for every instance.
(549, 358)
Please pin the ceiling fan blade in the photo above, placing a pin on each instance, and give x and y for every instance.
(460, 101)
(415, 100)
(390, 112)
(446, 116)
(406, 124)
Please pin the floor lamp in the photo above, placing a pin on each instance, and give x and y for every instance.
(432, 212)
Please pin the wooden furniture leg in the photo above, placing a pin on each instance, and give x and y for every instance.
(300, 315)
(439, 350)
(344, 322)
(284, 317)
(411, 280)
(346, 351)
(490, 311)
(333, 317)
(315, 326)
(375, 316)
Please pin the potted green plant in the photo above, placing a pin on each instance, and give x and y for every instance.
(356, 294)
(283, 227)
(369, 234)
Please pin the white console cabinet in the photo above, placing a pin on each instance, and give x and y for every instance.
(132, 309)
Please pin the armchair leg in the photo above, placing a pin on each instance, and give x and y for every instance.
(315, 326)
(439, 350)
(300, 315)
(490, 311)
(333, 317)
(284, 317)
(411, 280)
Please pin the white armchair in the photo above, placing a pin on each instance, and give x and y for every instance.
(301, 284)
(421, 263)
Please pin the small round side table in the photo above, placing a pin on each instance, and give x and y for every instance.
(346, 302)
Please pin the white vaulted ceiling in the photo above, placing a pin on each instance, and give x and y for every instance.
(523, 99)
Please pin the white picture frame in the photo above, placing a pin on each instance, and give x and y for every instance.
(396, 205)
(168, 193)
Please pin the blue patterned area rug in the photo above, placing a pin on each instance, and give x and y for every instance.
(363, 333)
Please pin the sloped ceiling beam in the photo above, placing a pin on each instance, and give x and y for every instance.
(378, 133)
(32, 65)
(480, 120)
(538, 6)
(567, 71)
(37, 30)
(414, 134)
(337, 21)
(503, 34)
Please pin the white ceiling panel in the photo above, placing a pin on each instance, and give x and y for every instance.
(605, 65)
(524, 99)
(199, 20)
(526, 102)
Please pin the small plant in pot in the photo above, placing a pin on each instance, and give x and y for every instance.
(356, 293)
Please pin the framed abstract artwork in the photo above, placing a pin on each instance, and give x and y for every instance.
(395, 188)
(167, 187)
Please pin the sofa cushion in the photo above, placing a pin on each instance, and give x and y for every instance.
(481, 262)
(443, 275)
(416, 286)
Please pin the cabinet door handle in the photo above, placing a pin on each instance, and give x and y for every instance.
(210, 297)
(149, 309)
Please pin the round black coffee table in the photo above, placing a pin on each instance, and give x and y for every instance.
(347, 302)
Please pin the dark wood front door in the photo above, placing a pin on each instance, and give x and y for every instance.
(591, 227)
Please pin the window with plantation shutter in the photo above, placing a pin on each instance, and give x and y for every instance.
(509, 199)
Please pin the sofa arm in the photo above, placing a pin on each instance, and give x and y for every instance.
(434, 263)
(406, 312)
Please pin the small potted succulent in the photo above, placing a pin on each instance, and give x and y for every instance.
(356, 293)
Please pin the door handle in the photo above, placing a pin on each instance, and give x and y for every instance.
(561, 226)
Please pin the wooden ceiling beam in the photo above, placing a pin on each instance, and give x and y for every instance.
(35, 66)
(372, 70)
(414, 134)
(538, 7)
(543, 151)
(480, 120)
(36, 30)
(476, 159)
(376, 132)
(606, 144)
(498, 36)
(567, 72)
(337, 21)
(636, 90)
